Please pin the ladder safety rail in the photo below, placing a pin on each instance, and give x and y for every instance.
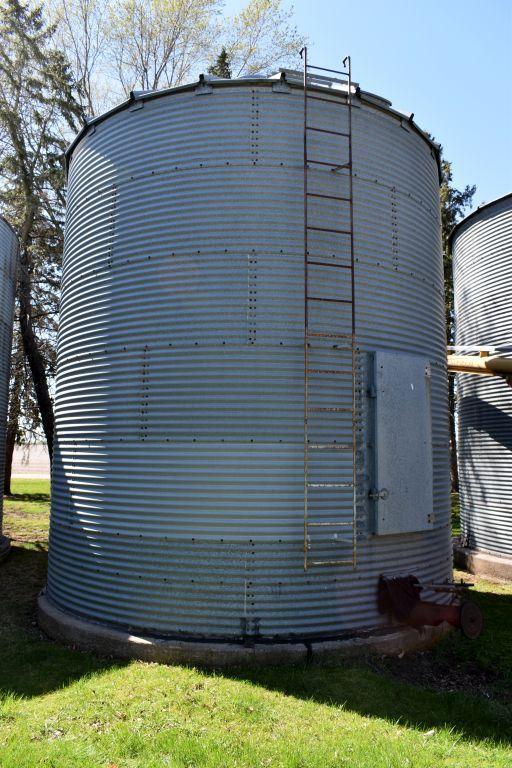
(324, 69)
(345, 341)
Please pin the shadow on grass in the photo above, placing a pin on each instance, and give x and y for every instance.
(39, 497)
(32, 666)
(461, 684)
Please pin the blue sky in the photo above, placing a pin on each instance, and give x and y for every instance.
(448, 61)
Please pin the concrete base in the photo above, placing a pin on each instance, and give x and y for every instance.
(104, 640)
(5, 546)
(482, 563)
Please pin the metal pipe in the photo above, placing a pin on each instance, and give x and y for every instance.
(485, 365)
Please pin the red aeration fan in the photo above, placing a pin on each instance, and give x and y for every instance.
(400, 596)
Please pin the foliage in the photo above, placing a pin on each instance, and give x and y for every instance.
(24, 419)
(82, 30)
(454, 203)
(156, 43)
(222, 67)
(112, 48)
(37, 103)
(118, 46)
(261, 36)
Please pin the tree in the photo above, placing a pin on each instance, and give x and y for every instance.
(221, 68)
(116, 47)
(156, 43)
(82, 30)
(454, 203)
(261, 36)
(113, 47)
(13, 419)
(23, 420)
(37, 104)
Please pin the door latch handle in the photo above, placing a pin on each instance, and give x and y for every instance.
(375, 494)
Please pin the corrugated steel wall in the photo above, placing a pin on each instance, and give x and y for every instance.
(178, 474)
(482, 269)
(8, 257)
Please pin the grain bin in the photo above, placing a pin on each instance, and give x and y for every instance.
(179, 480)
(8, 257)
(482, 270)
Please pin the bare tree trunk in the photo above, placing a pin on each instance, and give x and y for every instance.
(10, 441)
(454, 470)
(35, 359)
(30, 345)
(12, 428)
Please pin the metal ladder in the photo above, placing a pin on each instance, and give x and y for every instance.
(344, 342)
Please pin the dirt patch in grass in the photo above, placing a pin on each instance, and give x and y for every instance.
(35, 536)
(448, 675)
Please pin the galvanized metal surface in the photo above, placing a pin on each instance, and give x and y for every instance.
(403, 454)
(482, 264)
(8, 257)
(178, 478)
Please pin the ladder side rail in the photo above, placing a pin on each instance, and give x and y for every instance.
(304, 53)
(348, 63)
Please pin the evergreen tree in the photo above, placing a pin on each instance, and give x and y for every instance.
(222, 67)
(454, 203)
(37, 106)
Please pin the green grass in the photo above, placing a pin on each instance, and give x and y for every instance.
(61, 708)
(27, 511)
(455, 514)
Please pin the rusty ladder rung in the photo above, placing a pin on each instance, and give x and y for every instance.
(329, 446)
(325, 298)
(328, 264)
(335, 166)
(321, 98)
(326, 130)
(322, 335)
(332, 562)
(326, 69)
(329, 371)
(327, 229)
(329, 197)
(328, 409)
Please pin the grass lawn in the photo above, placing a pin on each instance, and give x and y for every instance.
(455, 514)
(67, 709)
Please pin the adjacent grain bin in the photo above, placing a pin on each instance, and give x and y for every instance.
(179, 477)
(8, 258)
(482, 270)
